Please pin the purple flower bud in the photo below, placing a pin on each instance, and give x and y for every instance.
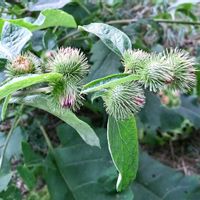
(68, 101)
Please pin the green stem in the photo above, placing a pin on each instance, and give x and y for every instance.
(166, 21)
(71, 34)
(109, 84)
(14, 125)
(45, 136)
(71, 196)
(45, 90)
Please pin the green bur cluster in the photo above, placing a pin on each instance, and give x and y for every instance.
(172, 69)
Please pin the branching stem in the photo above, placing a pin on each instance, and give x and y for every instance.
(166, 21)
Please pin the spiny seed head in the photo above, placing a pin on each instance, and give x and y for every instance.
(156, 73)
(134, 60)
(182, 67)
(70, 62)
(26, 63)
(122, 101)
(66, 94)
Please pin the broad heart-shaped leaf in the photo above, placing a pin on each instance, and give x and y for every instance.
(13, 39)
(25, 81)
(108, 81)
(123, 147)
(47, 18)
(44, 103)
(43, 4)
(90, 174)
(78, 170)
(112, 37)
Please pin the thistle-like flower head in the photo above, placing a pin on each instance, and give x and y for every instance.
(66, 94)
(156, 73)
(70, 62)
(26, 63)
(134, 60)
(122, 101)
(183, 72)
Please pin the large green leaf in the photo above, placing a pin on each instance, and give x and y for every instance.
(90, 174)
(112, 37)
(123, 147)
(11, 147)
(108, 81)
(78, 169)
(156, 181)
(25, 81)
(47, 18)
(43, 4)
(13, 39)
(105, 62)
(45, 103)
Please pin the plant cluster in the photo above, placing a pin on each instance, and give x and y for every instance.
(69, 74)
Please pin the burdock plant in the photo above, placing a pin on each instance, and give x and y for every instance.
(123, 94)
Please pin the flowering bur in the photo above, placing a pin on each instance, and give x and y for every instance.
(134, 60)
(23, 64)
(73, 65)
(122, 101)
(66, 95)
(173, 69)
(183, 72)
(155, 73)
(70, 62)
